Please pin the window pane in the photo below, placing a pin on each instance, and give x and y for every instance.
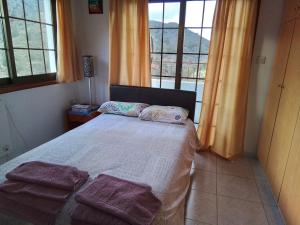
(155, 82)
(168, 83)
(18, 33)
(155, 64)
(191, 41)
(200, 88)
(22, 62)
(45, 11)
(209, 13)
(169, 65)
(37, 62)
(202, 70)
(50, 61)
(34, 35)
(194, 12)
(3, 65)
(170, 40)
(155, 40)
(155, 14)
(171, 16)
(205, 42)
(31, 10)
(197, 112)
(188, 84)
(1, 34)
(48, 37)
(203, 58)
(15, 8)
(189, 66)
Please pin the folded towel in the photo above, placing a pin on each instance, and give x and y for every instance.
(16, 209)
(34, 190)
(77, 222)
(128, 201)
(85, 215)
(51, 175)
(44, 205)
(37, 191)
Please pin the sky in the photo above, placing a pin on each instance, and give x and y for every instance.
(194, 10)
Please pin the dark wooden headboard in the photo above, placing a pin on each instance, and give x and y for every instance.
(155, 96)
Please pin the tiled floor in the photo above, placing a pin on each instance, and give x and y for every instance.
(230, 193)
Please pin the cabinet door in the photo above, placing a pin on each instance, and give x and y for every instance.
(291, 10)
(286, 117)
(289, 199)
(272, 102)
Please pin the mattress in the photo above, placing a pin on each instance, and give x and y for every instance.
(152, 153)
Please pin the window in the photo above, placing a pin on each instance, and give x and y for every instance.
(27, 41)
(180, 37)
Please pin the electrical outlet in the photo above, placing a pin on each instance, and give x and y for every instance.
(4, 150)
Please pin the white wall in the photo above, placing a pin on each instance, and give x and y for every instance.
(265, 45)
(31, 117)
(91, 32)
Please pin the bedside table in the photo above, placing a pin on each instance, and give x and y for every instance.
(75, 120)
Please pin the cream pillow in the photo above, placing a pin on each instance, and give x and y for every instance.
(167, 114)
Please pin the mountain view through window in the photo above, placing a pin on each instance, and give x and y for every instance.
(31, 28)
(182, 56)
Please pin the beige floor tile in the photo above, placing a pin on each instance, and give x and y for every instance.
(273, 215)
(240, 167)
(257, 169)
(204, 181)
(202, 207)
(192, 222)
(205, 161)
(239, 212)
(265, 192)
(237, 187)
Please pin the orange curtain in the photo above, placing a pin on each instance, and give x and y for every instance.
(67, 61)
(129, 60)
(223, 116)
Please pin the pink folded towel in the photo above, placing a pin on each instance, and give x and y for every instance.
(130, 202)
(34, 190)
(50, 175)
(37, 191)
(16, 209)
(85, 215)
(44, 205)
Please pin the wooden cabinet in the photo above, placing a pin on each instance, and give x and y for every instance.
(275, 89)
(75, 120)
(279, 145)
(289, 199)
(291, 10)
(286, 116)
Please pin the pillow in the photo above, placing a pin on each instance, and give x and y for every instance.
(122, 108)
(167, 114)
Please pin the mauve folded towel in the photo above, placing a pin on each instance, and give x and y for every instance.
(77, 222)
(16, 209)
(85, 215)
(128, 201)
(50, 175)
(34, 190)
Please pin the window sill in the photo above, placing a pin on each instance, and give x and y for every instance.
(23, 86)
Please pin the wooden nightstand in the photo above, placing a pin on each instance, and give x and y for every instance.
(75, 120)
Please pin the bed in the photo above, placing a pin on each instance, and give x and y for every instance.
(153, 153)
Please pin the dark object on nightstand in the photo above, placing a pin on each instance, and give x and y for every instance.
(76, 119)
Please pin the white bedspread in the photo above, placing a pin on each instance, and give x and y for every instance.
(157, 154)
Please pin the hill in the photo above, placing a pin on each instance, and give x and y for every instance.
(191, 45)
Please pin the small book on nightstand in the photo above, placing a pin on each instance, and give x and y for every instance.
(80, 114)
(82, 109)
